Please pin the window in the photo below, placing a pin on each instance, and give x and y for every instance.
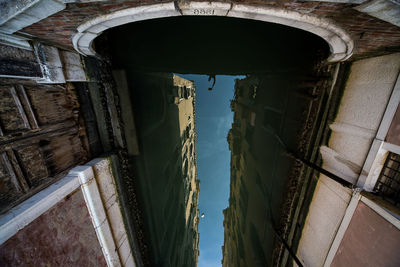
(388, 184)
(272, 119)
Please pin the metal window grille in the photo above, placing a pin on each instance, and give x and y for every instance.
(388, 184)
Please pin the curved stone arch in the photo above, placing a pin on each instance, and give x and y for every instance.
(340, 43)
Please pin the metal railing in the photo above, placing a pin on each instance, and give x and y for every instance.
(388, 184)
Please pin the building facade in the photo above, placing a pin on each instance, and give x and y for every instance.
(168, 186)
(68, 139)
(342, 211)
(275, 119)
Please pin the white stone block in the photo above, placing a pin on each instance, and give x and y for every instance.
(75, 39)
(339, 164)
(19, 22)
(21, 14)
(107, 244)
(44, 8)
(382, 9)
(130, 262)
(73, 68)
(94, 203)
(204, 8)
(116, 222)
(272, 15)
(51, 75)
(124, 249)
(86, 39)
(74, 73)
(84, 173)
(353, 130)
(15, 41)
(97, 29)
(104, 179)
(87, 51)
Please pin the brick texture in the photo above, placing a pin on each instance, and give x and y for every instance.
(372, 36)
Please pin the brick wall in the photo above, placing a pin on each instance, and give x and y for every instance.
(59, 28)
(372, 36)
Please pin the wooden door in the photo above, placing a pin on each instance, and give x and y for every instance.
(40, 138)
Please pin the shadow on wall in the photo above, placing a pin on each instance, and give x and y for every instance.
(211, 45)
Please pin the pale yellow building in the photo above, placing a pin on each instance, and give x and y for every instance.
(166, 164)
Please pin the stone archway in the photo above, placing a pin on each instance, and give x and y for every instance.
(340, 43)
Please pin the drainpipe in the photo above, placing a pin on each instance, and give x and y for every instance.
(310, 164)
(289, 248)
(329, 174)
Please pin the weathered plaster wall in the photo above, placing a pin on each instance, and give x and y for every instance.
(62, 236)
(361, 110)
(327, 209)
(367, 92)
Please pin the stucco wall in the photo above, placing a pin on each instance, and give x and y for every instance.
(62, 236)
(367, 92)
(366, 95)
(327, 209)
(368, 227)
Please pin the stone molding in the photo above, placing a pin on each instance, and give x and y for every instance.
(50, 63)
(18, 14)
(357, 197)
(57, 66)
(340, 42)
(96, 181)
(15, 41)
(387, 10)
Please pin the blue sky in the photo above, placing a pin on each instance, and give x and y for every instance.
(213, 121)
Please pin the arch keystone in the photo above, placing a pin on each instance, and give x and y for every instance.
(340, 43)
